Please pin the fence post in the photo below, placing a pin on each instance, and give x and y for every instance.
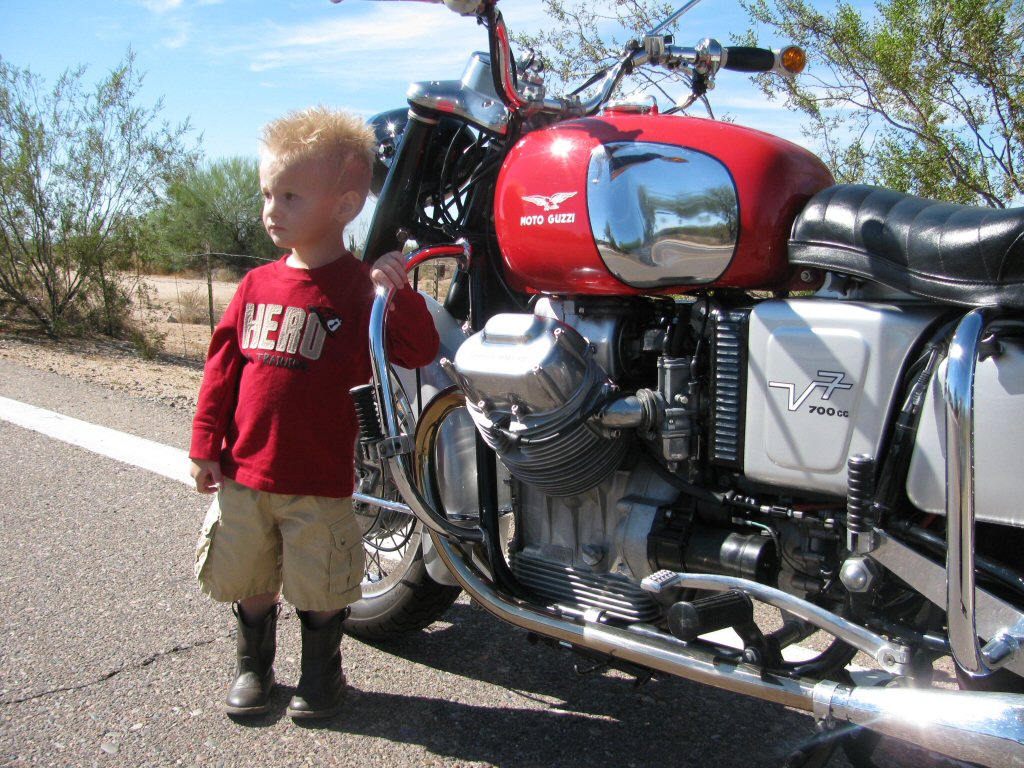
(209, 286)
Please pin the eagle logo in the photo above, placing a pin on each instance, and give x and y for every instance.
(549, 203)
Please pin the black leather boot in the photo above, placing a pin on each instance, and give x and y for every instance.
(254, 673)
(321, 682)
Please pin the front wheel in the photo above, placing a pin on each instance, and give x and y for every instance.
(399, 596)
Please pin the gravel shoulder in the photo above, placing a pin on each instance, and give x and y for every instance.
(169, 380)
(176, 308)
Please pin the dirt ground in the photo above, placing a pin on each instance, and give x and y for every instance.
(180, 310)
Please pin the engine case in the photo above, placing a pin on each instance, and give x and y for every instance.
(591, 550)
(821, 380)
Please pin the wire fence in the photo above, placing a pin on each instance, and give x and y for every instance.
(193, 306)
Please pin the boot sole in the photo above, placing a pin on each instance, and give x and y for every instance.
(321, 714)
(317, 714)
(247, 711)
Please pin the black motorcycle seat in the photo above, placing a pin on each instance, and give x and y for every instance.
(953, 253)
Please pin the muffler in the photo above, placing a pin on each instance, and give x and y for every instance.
(977, 727)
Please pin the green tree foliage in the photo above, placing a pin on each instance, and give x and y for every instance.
(216, 208)
(79, 169)
(924, 96)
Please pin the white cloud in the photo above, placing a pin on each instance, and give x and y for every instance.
(179, 34)
(161, 6)
(419, 41)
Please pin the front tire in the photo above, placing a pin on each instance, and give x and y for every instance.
(399, 597)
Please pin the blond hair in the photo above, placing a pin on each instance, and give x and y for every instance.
(334, 137)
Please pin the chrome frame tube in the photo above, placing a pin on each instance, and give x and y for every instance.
(394, 506)
(893, 658)
(993, 616)
(394, 446)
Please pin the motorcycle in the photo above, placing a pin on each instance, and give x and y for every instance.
(696, 403)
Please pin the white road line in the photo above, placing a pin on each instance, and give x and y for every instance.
(137, 451)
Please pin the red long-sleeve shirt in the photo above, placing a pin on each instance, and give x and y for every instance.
(274, 405)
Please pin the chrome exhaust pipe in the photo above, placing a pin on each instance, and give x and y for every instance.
(975, 726)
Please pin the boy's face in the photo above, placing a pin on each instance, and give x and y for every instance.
(303, 209)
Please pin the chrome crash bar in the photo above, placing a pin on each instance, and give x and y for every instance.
(395, 448)
(961, 613)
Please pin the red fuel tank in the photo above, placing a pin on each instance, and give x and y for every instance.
(627, 204)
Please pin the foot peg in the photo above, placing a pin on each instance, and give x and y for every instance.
(689, 620)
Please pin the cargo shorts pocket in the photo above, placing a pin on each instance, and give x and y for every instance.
(346, 568)
(209, 530)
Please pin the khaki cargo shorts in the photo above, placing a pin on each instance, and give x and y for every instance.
(254, 543)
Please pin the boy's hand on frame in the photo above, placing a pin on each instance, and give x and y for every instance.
(207, 475)
(389, 271)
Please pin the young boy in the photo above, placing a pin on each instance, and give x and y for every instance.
(275, 429)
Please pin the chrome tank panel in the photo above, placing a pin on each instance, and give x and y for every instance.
(661, 215)
(821, 379)
(998, 440)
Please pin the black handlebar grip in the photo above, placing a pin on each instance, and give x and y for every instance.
(744, 59)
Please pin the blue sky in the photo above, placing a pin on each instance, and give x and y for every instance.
(232, 65)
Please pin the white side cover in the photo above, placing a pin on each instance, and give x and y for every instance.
(821, 377)
(998, 441)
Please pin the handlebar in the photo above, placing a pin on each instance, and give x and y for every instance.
(708, 56)
(743, 59)
(703, 60)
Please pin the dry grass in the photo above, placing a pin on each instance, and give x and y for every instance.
(192, 308)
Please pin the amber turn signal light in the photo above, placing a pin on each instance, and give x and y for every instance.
(793, 59)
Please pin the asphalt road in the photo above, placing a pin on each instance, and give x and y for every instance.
(109, 655)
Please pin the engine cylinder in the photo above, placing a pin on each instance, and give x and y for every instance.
(532, 385)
